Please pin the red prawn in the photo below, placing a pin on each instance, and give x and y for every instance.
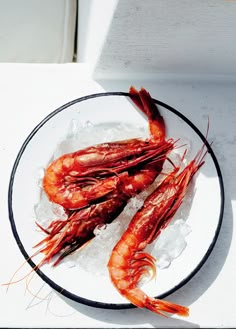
(76, 180)
(128, 261)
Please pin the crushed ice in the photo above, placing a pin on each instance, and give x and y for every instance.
(46, 211)
(170, 243)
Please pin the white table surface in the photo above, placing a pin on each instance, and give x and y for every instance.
(27, 94)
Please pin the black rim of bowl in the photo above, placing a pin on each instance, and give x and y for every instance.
(54, 285)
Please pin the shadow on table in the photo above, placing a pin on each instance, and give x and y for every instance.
(132, 317)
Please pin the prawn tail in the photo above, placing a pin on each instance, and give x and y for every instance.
(161, 307)
(143, 100)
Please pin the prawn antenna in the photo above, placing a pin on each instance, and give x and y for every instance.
(12, 281)
(201, 154)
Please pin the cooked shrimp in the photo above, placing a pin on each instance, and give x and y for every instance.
(128, 261)
(78, 179)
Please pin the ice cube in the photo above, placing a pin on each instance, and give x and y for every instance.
(46, 211)
(170, 243)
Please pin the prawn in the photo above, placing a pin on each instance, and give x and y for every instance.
(76, 180)
(128, 261)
